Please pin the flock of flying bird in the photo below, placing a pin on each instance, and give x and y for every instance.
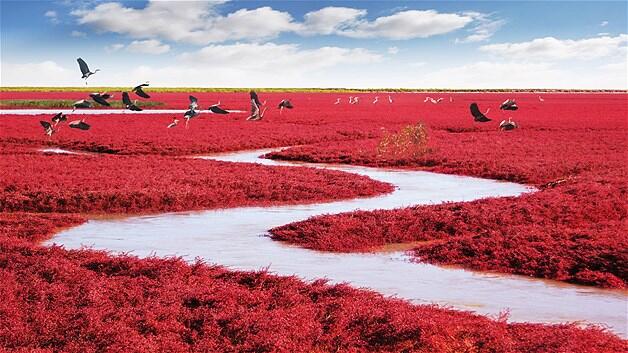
(192, 112)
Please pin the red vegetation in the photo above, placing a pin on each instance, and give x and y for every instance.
(88, 301)
(132, 184)
(573, 231)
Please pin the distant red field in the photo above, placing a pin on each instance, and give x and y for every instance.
(572, 147)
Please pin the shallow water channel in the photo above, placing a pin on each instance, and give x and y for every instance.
(237, 238)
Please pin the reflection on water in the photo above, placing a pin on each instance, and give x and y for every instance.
(236, 238)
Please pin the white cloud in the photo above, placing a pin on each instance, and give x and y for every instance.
(52, 16)
(150, 46)
(393, 50)
(78, 34)
(511, 74)
(603, 23)
(200, 23)
(47, 73)
(407, 25)
(484, 29)
(550, 48)
(114, 48)
(331, 20)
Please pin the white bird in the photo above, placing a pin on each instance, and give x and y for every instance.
(174, 123)
(451, 99)
(507, 125)
(375, 100)
(355, 100)
(390, 100)
(350, 99)
(541, 99)
(337, 101)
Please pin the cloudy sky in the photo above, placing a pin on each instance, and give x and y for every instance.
(412, 44)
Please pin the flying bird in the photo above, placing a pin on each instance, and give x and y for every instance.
(59, 117)
(81, 104)
(101, 98)
(477, 114)
(49, 130)
(128, 104)
(79, 124)
(139, 91)
(193, 103)
(216, 109)
(507, 125)
(174, 123)
(85, 69)
(509, 104)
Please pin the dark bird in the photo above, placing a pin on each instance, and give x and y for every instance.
(139, 91)
(509, 104)
(85, 69)
(507, 125)
(47, 127)
(285, 104)
(101, 98)
(174, 123)
(59, 117)
(477, 114)
(216, 109)
(193, 102)
(190, 114)
(81, 104)
(128, 104)
(79, 124)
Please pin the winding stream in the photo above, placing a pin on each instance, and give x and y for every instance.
(236, 238)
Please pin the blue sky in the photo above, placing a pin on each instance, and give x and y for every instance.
(416, 44)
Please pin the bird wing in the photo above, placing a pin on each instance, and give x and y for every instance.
(477, 114)
(45, 124)
(140, 92)
(106, 95)
(125, 99)
(83, 66)
(100, 100)
(217, 110)
(57, 117)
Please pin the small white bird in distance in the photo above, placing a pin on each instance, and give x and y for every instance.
(375, 100)
(337, 101)
(390, 100)
(350, 99)
(541, 99)
(174, 123)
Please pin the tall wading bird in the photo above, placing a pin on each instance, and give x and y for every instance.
(139, 91)
(541, 99)
(59, 117)
(79, 124)
(507, 125)
(101, 98)
(193, 103)
(48, 129)
(284, 104)
(390, 100)
(375, 100)
(216, 109)
(509, 104)
(477, 114)
(81, 104)
(256, 112)
(337, 101)
(85, 69)
(128, 104)
(190, 114)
